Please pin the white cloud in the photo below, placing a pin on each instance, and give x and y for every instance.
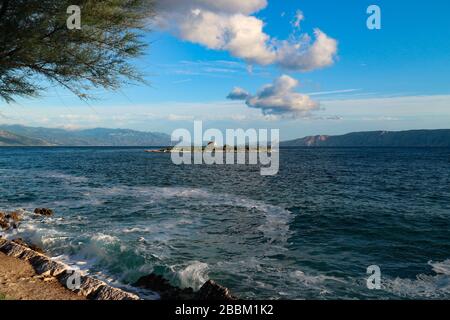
(299, 17)
(228, 25)
(322, 93)
(307, 55)
(278, 98)
(180, 117)
(238, 94)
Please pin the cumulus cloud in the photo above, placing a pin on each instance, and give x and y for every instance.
(308, 55)
(238, 94)
(230, 26)
(278, 98)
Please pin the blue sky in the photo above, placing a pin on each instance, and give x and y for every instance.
(395, 78)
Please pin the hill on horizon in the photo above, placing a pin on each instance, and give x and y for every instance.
(18, 135)
(410, 138)
(10, 139)
(86, 137)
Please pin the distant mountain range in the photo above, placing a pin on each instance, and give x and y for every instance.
(11, 139)
(17, 135)
(412, 138)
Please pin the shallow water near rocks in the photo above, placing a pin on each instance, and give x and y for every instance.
(308, 233)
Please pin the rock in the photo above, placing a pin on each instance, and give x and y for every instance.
(17, 249)
(4, 224)
(88, 285)
(45, 266)
(21, 242)
(154, 282)
(14, 216)
(209, 291)
(28, 254)
(3, 242)
(110, 293)
(63, 278)
(43, 211)
(12, 249)
(36, 248)
(158, 284)
(213, 291)
(95, 289)
(29, 245)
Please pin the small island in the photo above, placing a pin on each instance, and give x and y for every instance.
(212, 147)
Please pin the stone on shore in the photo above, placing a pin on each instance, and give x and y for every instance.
(12, 249)
(166, 291)
(88, 285)
(29, 245)
(4, 224)
(14, 216)
(43, 211)
(209, 291)
(215, 292)
(9, 220)
(110, 293)
(45, 266)
(2, 242)
(94, 289)
(28, 254)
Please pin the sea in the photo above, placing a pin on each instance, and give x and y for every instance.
(313, 231)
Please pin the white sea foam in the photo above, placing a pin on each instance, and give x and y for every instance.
(43, 174)
(274, 220)
(37, 232)
(137, 230)
(441, 267)
(192, 275)
(313, 280)
(423, 286)
(104, 238)
(62, 176)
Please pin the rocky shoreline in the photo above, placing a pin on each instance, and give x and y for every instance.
(92, 288)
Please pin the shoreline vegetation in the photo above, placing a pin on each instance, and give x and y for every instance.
(27, 273)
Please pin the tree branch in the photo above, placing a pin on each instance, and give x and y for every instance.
(4, 7)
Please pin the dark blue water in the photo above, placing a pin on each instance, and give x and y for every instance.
(308, 233)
